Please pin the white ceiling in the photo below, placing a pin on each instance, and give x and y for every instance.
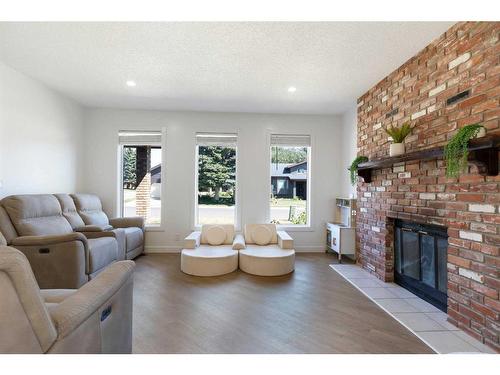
(234, 67)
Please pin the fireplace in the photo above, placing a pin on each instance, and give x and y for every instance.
(420, 256)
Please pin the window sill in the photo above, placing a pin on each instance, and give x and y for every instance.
(295, 228)
(197, 228)
(154, 229)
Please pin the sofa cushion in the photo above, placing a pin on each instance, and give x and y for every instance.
(89, 207)
(134, 238)
(249, 233)
(102, 252)
(36, 215)
(216, 235)
(69, 210)
(262, 235)
(228, 228)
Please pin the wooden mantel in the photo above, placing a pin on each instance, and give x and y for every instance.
(482, 151)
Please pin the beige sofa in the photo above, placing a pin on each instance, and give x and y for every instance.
(63, 240)
(94, 319)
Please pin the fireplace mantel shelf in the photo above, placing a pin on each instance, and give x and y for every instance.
(482, 151)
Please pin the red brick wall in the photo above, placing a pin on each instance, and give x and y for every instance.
(466, 57)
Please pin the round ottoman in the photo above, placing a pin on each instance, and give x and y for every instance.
(209, 260)
(268, 260)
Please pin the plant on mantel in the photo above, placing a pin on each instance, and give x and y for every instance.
(398, 136)
(456, 152)
(353, 169)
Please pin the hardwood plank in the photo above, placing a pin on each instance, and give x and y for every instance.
(313, 310)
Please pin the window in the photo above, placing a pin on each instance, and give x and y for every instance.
(141, 175)
(216, 179)
(290, 166)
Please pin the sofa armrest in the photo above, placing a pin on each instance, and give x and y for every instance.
(118, 234)
(94, 228)
(127, 222)
(78, 307)
(58, 261)
(239, 242)
(48, 240)
(193, 240)
(284, 240)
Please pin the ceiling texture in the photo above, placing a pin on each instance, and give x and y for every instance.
(214, 66)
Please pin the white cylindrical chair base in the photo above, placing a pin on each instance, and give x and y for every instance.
(209, 261)
(267, 260)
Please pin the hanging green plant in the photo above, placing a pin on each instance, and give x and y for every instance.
(456, 151)
(354, 168)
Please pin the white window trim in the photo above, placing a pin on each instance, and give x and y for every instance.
(237, 211)
(147, 228)
(294, 227)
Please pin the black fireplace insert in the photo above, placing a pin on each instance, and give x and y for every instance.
(420, 257)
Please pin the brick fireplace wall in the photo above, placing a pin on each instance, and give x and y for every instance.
(465, 58)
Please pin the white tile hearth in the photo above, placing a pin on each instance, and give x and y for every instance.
(395, 305)
(378, 292)
(418, 322)
(420, 317)
(421, 305)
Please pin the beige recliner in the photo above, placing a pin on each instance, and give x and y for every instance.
(96, 318)
(59, 257)
(89, 208)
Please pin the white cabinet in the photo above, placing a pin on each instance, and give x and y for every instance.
(341, 239)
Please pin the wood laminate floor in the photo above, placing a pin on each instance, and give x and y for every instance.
(313, 310)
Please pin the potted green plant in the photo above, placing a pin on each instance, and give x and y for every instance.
(456, 152)
(354, 168)
(398, 135)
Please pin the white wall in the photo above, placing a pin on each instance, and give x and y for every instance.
(349, 148)
(40, 137)
(327, 166)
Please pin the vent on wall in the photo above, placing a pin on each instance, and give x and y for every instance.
(391, 113)
(458, 97)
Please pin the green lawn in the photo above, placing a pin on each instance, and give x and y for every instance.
(283, 202)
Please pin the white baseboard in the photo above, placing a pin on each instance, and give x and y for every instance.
(176, 249)
(310, 249)
(161, 249)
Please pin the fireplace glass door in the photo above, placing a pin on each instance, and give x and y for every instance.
(420, 261)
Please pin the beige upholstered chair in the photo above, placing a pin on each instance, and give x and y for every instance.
(89, 208)
(59, 257)
(267, 252)
(96, 318)
(210, 252)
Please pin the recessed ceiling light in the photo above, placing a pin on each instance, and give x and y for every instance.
(292, 89)
(131, 83)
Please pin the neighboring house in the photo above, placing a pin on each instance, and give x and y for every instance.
(289, 180)
(156, 182)
(156, 174)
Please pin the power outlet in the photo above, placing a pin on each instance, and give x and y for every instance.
(177, 237)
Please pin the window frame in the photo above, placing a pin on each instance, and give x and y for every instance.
(148, 228)
(237, 212)
(308, 227)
